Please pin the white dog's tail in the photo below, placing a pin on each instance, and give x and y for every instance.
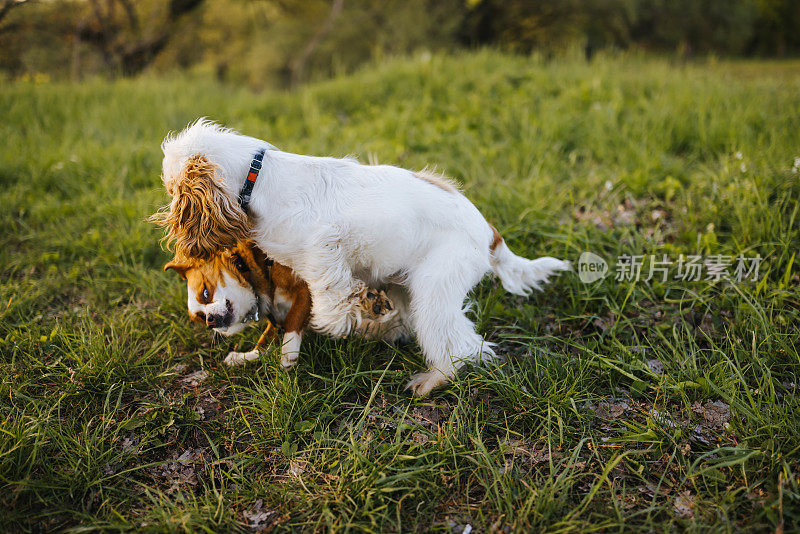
(520, 275)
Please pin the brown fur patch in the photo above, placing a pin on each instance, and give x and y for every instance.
(496, 239)
(439, 180)
(278, 277)
(203, 274)
(255, 262)
(201, 219)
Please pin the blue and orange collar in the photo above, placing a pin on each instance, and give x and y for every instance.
(252, 176)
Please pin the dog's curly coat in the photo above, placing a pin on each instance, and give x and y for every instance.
(341, 226)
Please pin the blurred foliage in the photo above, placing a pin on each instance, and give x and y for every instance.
(261, 43)
(738, 27)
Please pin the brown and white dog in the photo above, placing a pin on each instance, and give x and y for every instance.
(237, 286)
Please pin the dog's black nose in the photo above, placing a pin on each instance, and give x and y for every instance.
(221, 320)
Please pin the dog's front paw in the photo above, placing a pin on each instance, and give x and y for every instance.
(289, 360)
(422, 383)
(234, 359)
(375, 305)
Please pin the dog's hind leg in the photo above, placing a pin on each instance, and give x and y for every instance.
(438, 287)
(375, 305)
(391, 327)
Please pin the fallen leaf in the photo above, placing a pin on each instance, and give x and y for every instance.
(195, 379)
(610, 410)
(684, 505)
(664, 418)
(656, 366)
(257, 517)
(296, 468)
(715, 414)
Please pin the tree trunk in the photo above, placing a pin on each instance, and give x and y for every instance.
(297, 66)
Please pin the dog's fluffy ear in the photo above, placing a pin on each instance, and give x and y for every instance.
(179, 267)
(201, 218)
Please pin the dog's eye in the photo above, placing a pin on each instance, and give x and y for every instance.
(240, 264)
(205, 294)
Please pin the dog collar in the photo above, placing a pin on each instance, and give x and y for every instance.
(252, 176)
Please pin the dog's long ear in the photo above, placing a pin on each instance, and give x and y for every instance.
(202, 219)
(178, 267)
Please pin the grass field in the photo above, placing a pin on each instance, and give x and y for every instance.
(621, 405)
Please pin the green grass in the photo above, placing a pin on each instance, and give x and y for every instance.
(101, 426)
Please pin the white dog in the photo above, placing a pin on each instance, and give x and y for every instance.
(343, 226)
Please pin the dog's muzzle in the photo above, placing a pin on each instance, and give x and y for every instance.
(221, 320)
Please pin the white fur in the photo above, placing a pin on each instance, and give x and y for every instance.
(340, 224)
(234, 359)
(290, 350)
(228, 290)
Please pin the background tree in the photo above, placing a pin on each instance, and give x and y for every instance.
(297, 65)
(777, 28)
(127, 45)
(287, 42)
(5, 8)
